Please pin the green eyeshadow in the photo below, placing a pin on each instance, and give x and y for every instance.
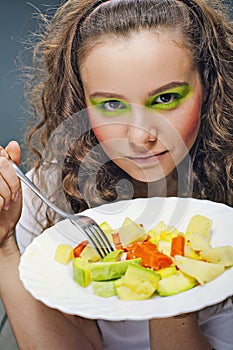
(169, 99)
(110, 106)
(165, 100)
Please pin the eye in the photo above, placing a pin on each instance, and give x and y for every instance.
(169, 99)
(112, 106)
(166, 99)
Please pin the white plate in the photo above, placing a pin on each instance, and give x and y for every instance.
(52, 283)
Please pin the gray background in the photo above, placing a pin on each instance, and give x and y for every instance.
(16, 23)
(17, 20)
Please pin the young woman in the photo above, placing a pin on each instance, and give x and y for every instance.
(133, 99)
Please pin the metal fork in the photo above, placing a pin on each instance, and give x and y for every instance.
(85, 224)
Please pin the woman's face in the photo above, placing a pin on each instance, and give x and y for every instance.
(144, 98)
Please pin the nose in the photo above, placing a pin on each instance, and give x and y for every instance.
(141, 128)
(139, 135)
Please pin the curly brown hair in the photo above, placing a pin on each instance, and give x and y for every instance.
(89, 178)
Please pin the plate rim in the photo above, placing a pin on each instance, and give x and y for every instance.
(111, 316)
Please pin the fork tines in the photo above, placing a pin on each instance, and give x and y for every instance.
(98, 239)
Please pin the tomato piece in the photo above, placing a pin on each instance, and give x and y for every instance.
(79, 248)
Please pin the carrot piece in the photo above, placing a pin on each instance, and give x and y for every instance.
(161, 260)
(155, 259)
(177, 245)
(149, 254)
(79, 248)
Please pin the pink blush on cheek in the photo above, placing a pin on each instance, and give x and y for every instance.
(97, 135)
(100, 134)
(189, 129)
(96, 128)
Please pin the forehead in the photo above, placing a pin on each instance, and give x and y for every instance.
(141, 37)
(145, 57)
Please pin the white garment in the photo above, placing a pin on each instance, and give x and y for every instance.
(216, 321)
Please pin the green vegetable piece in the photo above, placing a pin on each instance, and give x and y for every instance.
(113, 256)
(167, 271)
(108, 230)
(176, 283)
(81, 272)
(138, 283)
(104, 289)
(104, 271)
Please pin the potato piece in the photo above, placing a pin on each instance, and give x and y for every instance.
(64, 254)
(219, 255)
(200, 224)
(89, 254)
(201, 270)
(164, 247)
(130, 232)
(190, 253)
(197, 241)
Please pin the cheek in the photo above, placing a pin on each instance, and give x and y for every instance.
(98, 128)
(106, 130)
(112, 139)
(189, 129)
(108, 134)
(100, 134)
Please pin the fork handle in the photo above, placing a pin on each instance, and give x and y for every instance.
(36, 190)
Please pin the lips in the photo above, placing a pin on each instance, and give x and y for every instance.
(148, 158)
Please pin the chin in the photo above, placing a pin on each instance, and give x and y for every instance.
(148, 177)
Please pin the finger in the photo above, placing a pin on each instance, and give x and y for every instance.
(1, 203)
(3, 153)
(9, 178)
(5, 192)
(14, 151)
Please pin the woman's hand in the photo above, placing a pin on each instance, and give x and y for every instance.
(10, 193)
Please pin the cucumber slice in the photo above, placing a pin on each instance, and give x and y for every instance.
(104, 271)
(138, 283)
(175, 283)
(104, 289)
(81, 272)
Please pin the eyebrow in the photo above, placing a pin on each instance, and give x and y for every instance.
(167, 87)
(98, 94)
